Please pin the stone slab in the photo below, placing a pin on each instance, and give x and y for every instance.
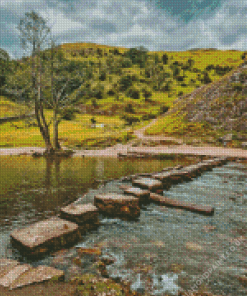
(118, 205)
(148, 183)
(6, 265)
(81, 213)
(206, 210)
(13, 274)
(44, 236)
(37, 275)
(138, 192)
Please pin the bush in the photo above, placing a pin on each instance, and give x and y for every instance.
(111, 92)
(133, 93)
(165, 59)
(126, 63)
(148, 116)
(130, 119)
(147, 93)
(164, 109)
(68, 113)
(129, 108)
(125, 82)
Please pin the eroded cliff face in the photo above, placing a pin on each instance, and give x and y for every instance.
(222, 104)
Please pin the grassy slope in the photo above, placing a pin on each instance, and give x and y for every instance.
(78, 132)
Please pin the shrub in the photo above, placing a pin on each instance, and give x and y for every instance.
(147, 93)
(125, 82)
(129, 108)
(130, 119)
(163, 109)
(165, 59)
(93, 120)
(68, 113)
(148, 116)
(133, 93)
(126, 63)
(111, 92)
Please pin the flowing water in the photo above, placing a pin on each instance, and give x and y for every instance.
(167, 249)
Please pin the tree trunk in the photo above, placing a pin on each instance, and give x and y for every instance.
(55, 130)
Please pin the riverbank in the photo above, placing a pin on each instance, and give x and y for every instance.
(124, 149)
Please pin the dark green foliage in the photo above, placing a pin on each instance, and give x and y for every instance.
(221, 70)
(156, 58)
(126, 63)
(210, 67)
(102, 76)
(111, 92)
(137, 56)
(129, 108)
(148, 116)
(244, 55)
(147, 93)
(98, 92)
(180, 78)
(130, 119)
(133, 93)
(163, 109)
(206, 79)
(125, 82)
(176, 71)
(93, 120)
(190, 63)
(165, 59)
(68, 113)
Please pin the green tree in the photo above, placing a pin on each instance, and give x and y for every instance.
(165, 59)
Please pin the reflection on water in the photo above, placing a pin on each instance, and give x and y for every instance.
(32, 189)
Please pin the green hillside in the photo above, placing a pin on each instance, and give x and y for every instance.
(130, 86)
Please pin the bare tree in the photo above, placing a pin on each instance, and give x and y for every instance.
(34, 37)
(52, 78)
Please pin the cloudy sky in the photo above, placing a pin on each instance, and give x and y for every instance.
(155, 24)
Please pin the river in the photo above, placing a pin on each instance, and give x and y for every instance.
(166, 249)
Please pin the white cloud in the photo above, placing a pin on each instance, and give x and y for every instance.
(129, 23)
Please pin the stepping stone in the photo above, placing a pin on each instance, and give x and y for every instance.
(118, 205)
(148, 183)
(37, 275)
(6, 265)
(86, 215)
(13, 274)
(161, 200)
(44, 236)
(142, 194)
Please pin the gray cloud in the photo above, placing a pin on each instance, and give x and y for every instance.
(128, 23)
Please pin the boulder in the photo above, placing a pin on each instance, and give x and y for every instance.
(117, 205)
(86, 215)
(45, 236)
